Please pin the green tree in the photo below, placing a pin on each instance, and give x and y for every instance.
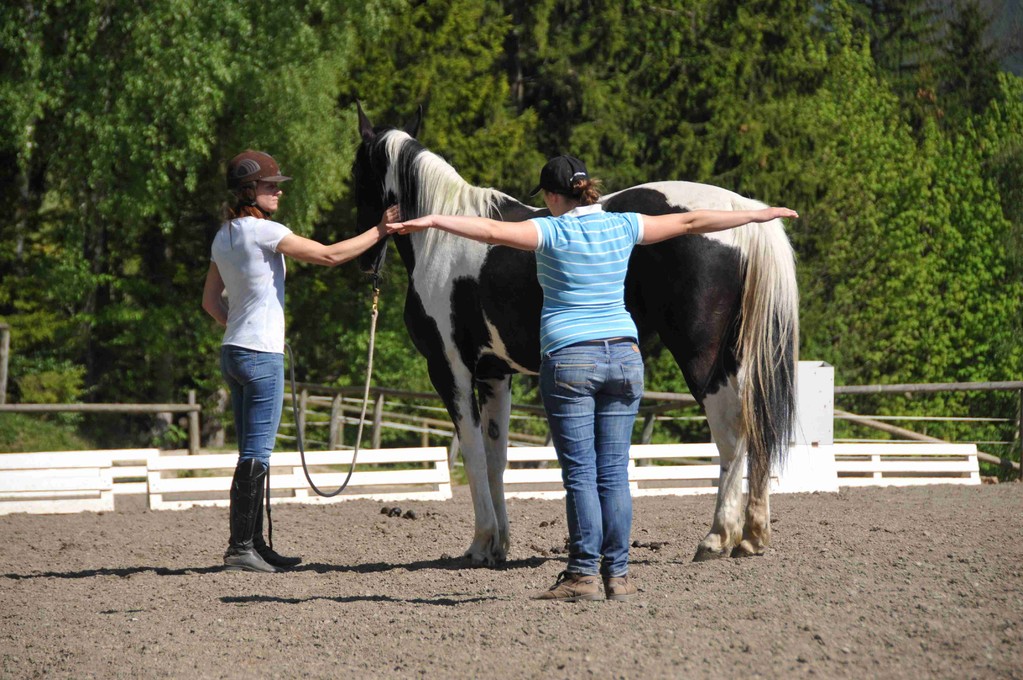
(449, 61)
(905, 38)
(118, 119)
(905, 271)
(968, 69)
(117, 122)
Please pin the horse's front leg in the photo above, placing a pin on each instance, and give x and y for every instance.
(495, 416)
(724, 415)
(486, 547)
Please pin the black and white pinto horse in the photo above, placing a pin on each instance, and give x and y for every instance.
(724, 304)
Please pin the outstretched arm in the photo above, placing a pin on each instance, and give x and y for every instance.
(660, 227)
(308, 250)
(521, 235)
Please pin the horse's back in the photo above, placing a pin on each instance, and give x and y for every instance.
(685, 196)
(687, 290)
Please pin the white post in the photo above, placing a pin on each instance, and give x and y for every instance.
(810, 465)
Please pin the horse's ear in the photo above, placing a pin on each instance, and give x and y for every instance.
(365, 127)
(412, 127)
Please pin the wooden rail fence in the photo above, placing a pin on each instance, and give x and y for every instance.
(342, 414)
(192, 408)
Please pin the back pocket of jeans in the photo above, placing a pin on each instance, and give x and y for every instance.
(573, 377)
(632, 379)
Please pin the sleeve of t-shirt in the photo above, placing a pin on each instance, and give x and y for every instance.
(270, 233)
(635, 221)
(544, 234)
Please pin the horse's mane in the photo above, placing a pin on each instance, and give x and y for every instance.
(426, 184)
(430, 182)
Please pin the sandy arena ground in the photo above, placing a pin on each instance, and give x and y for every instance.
(922, 582)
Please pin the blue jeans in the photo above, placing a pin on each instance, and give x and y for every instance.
(256, 380)
(591, 393)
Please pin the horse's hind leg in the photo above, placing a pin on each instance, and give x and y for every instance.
(724, 415)
(495, 415)
(757, 532)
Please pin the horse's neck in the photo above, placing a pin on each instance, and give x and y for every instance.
(406, 252)
(439, 189)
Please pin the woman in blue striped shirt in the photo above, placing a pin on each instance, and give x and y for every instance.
(591, 373)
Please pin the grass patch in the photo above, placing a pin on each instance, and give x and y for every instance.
(20, 433)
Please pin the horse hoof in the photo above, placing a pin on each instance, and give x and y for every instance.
(477, 559)
(705, 554)
(484, 559)
(746, 549)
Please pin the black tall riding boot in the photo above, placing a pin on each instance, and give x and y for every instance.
(266, 552)
(246, 493)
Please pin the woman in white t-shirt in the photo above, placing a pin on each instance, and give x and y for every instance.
(248, 266)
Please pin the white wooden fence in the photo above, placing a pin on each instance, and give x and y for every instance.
(208, 479)
(689, 469)
(902, 464)
(76, 481)
(654, 470)
(71, 481)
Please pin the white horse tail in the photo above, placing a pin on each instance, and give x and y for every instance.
(768, 345)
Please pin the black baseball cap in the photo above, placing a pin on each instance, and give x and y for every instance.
(559, 174)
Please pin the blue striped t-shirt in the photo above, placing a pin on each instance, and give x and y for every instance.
(581, 260)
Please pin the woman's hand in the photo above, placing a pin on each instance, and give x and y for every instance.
(768, 214)
(410, 226)
(392, 214)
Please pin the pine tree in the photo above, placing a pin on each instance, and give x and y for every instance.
(969, 68)
(905, 37)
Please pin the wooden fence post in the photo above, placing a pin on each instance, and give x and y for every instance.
(648, 427)
(5, 349)
(193, 426)
(378, 416)
(647, 435)
(303, 397)
(424, 440)
(336, 423)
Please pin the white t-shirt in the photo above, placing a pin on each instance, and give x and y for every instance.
(245, 252)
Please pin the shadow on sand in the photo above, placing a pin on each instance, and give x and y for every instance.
(448, 563)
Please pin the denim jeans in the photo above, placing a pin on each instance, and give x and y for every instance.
(591, 393)
(256, 380)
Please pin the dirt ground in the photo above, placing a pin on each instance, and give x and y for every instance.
(894, 583)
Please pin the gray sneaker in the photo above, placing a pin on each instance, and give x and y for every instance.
(572, 588)
(619, 587)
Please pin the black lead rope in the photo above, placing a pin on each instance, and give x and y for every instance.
(377, 266)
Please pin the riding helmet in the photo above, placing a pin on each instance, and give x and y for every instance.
(252, 166)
